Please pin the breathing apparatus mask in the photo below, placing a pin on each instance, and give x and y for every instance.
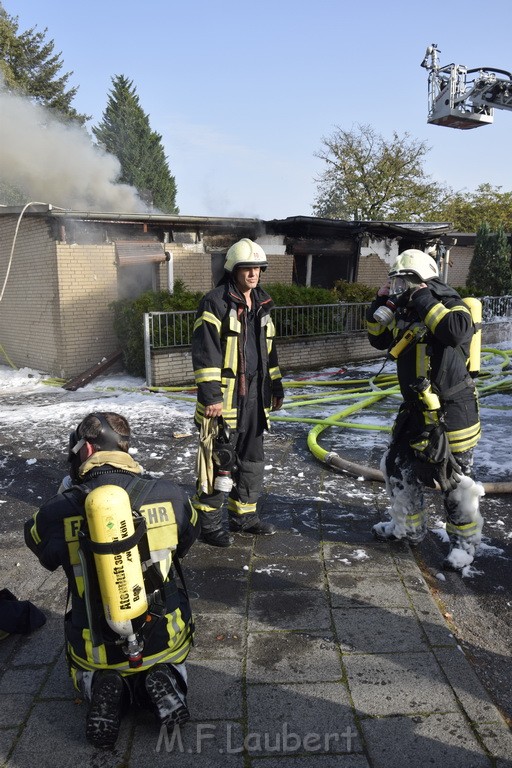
(400, 290)
(107, 440)
(224, 457)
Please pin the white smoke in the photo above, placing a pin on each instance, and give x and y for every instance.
(58, 163)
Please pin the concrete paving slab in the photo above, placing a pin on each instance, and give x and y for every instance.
(17, 710)
(497, 739)
(358, 556)
(16, 681)
(370, 630)
(319, 761)
(202, 745)
(351, 527)
(218, 588)
(292, 657)
(218, 636)
(215, 689)
(43, 646)
(289, 610)
(348, 590)
(58, 682)
(438, 740)
(291, 543)
(398, 683)
(275, 574)
(8, 738)
(314, 717)
(54, 737)
(432, 621)
(466, 686)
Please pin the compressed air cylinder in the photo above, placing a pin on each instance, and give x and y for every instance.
(109, 516)
(475, 350)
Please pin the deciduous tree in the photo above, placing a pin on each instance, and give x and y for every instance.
(469, 210)
(370, 178)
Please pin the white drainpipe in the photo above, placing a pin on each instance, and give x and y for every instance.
(170, 271)
(309, 268)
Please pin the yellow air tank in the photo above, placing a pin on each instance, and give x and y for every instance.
(109, 516)
(475, 350)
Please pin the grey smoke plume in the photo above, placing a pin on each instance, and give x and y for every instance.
(58, 164)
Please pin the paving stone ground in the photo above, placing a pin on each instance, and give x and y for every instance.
(315, 648)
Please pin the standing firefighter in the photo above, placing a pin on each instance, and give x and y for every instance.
(428, 330)
(238, 382)
(128, 626)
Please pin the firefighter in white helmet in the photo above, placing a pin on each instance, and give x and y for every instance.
(102, 664)
(427, 329)
(238, 383)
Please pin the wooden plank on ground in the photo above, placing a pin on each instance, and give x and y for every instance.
(84, 378)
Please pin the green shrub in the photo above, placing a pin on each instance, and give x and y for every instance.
(129, 320)
(464, 291)
(353, 293)
(298, 295)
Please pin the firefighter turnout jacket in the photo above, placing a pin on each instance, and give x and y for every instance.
(219, 351)
(55, 533)
(432, 336)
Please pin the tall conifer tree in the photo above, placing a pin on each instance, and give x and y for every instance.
(30, 67)
(489, 271)
(126, 133)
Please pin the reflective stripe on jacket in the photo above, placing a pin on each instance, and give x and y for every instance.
(439, 349)
(218, 351)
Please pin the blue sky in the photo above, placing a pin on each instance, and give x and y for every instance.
(243, 92)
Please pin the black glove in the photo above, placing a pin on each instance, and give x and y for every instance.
(448, 474)
(435, 462)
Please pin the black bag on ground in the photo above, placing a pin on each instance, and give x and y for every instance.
(18, 617)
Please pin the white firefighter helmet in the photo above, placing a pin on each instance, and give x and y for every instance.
(245, 253)
(415, 262)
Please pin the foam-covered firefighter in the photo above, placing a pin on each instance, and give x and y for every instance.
(119, 536)
(238, 383)
(434, 336)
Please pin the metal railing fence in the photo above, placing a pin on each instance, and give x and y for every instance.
(496, 308)
(165, 330)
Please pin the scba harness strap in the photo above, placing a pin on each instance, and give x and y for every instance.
(138, 489)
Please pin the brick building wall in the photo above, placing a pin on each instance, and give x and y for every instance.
(280, 269)
(191, 264)
(29, 311)
(372, 270)
(458, 265)
(54, 315)
(87, 283)
(170, 368)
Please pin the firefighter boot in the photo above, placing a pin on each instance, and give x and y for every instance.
(461, 554)
(105, 709)
(167, 693)
(251, 524)
(212, 531)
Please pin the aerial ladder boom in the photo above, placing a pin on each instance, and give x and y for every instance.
(464, 98)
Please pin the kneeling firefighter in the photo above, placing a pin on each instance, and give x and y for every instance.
(434, 337)
(119, 537)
